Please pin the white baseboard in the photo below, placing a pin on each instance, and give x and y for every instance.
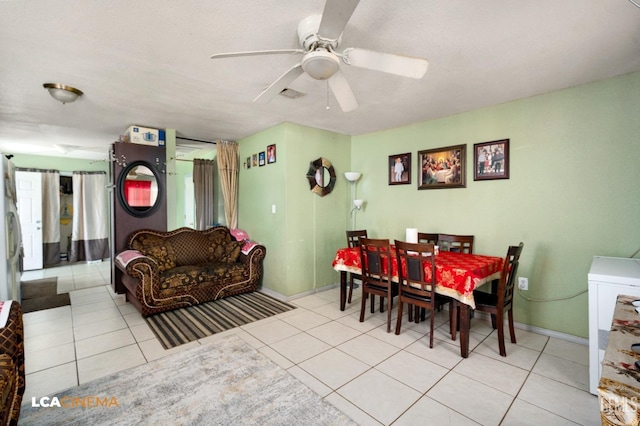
(483, 315)
(539, 330)
(552, 333)
(284, 298)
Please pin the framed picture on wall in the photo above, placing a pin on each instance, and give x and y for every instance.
(491, 160)
(399, 169)
(261, 158)
(442, 167)
(248, 166)
(271, 154)
(254, 158)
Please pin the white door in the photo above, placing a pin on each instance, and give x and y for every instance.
(189, 202)
(29, 194)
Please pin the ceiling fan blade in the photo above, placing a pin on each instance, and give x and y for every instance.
(335, 17)
(342, 91)
(256, 53)
(405, 66)
(280, 84)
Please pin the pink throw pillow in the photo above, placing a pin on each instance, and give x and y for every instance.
(239, 234)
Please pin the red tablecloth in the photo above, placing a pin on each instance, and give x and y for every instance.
(457, 274)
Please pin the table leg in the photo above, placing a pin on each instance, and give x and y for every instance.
(465, 312)
(343, 290)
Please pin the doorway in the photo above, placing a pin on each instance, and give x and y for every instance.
(29, 201)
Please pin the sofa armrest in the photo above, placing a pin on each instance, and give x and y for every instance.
(255, 254)
(137, 265)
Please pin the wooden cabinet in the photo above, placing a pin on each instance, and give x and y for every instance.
(138, 197)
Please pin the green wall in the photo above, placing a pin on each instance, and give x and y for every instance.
(573, 192)
(302, 236)
(62, 164)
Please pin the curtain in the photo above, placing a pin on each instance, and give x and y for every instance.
(228, 168)
(203, 172)
(90, 233)
(50, 217)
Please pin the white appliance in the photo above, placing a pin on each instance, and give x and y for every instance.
(608, 277)
(10, 237)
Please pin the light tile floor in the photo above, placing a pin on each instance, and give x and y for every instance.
(374, 377)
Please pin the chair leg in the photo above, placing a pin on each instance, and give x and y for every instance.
(389, 304)
(410, 312)
(373, 300)
(350, 288)
(493, 321)
(453, 318)
(500, 321)
(381, 304)
(399, 321)
(511, 329)
(363, 304)
(432, 323)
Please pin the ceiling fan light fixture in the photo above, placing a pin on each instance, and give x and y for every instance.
(62, 93)
(320, 64)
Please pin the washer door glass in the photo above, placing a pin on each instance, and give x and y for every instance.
(138, 189)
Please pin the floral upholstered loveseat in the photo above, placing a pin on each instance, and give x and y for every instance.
(185, 267)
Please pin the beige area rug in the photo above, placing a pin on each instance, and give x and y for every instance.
(226, 382)
(38, 295)
(185, 325)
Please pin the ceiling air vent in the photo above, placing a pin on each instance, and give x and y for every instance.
(290, 93)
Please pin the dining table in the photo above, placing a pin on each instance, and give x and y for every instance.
(457, 276)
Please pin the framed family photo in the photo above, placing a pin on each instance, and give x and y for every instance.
(271, 154)
(399, 167)
(491, 160)
(442, 167)
(261, 158)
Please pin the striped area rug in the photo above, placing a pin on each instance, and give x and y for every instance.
(180, 326)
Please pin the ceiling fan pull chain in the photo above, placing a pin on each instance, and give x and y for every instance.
(328, 107)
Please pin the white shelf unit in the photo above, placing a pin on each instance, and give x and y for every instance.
(608, 277)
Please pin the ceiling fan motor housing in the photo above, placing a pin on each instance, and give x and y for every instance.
(308, 33)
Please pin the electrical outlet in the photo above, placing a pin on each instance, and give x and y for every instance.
(523, 283)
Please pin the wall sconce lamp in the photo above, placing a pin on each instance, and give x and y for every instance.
(352, 177)
(62, 93)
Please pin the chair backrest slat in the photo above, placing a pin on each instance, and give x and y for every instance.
(353, 237)
(456, 243)
(424, 237)
(414, 259)
(509, 272)
(375, 256)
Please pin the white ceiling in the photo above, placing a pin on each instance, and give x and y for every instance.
(146, 62)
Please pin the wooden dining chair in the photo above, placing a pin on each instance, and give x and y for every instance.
(456, 243)
(498, 304)
(375, 258)
(417, 280)
(426, 238)
(353, 240)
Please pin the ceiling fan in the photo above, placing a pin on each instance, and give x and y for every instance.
(319, 37)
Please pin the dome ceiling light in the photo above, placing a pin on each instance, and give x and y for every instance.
(62, 93)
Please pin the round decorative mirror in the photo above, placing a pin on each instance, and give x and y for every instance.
(321, 176)
(138, 189)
